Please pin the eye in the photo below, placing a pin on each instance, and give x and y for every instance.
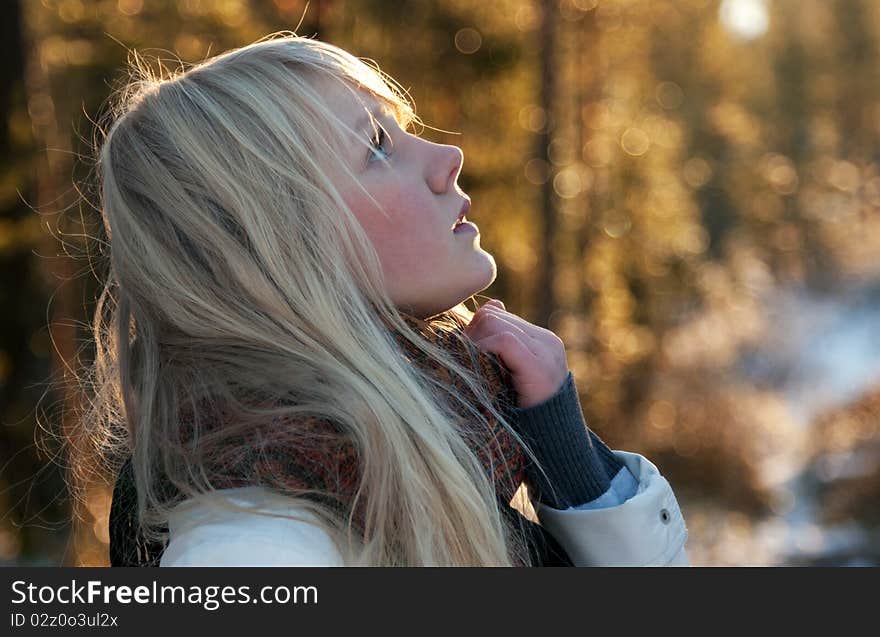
(377, 145)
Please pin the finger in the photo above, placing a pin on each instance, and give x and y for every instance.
(477, 326)
(510, 348)
(495, 322)
(482, 313)
(497, 302)
(538, 333)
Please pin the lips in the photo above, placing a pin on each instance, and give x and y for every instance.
(461, 213)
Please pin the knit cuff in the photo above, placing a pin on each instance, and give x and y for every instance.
(578, 464)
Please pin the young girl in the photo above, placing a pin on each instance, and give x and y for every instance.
(284, 353)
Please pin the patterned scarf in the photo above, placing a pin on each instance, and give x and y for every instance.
(319, 457)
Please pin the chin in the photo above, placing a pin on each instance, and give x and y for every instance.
(482, 277)
(490, 274)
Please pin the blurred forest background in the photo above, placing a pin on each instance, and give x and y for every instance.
(686, 191)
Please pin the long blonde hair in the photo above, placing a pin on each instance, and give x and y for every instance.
(236, 267)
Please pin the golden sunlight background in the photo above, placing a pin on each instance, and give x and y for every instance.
(685, 191)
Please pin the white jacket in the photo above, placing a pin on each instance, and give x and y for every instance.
(646, 530)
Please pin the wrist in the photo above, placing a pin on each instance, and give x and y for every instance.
(577, 466)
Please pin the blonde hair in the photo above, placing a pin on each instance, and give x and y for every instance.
(236, 268)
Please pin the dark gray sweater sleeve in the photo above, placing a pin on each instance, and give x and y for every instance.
(579, 465)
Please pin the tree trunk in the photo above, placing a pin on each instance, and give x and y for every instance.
(54, 196)
(545, 299)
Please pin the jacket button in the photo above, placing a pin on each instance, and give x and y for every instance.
(664, 516)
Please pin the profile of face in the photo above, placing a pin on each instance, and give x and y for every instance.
(428, 268)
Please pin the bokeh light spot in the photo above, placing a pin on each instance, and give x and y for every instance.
(537, 171)
(669, 95)
(697, 172)
(130, 7)
(747, 19)
(635, 142)
(532, 118)
(567, 183)
(468, 40)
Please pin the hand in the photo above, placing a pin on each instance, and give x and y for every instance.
(535, 356)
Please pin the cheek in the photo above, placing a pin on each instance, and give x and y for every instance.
(409, 247)
(409, 241)
(409, 235)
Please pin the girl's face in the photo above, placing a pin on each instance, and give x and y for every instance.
(428, 268)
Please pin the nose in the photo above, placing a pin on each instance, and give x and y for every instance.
(443, 170)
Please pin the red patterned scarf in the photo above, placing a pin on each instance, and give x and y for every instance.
(318, 457)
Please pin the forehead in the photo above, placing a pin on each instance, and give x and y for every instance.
(354, 106)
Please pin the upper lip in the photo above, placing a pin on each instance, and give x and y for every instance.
(465, 206)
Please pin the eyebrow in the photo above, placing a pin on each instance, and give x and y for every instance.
(380, 111)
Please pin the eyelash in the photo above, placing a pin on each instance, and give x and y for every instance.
(377, 144)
